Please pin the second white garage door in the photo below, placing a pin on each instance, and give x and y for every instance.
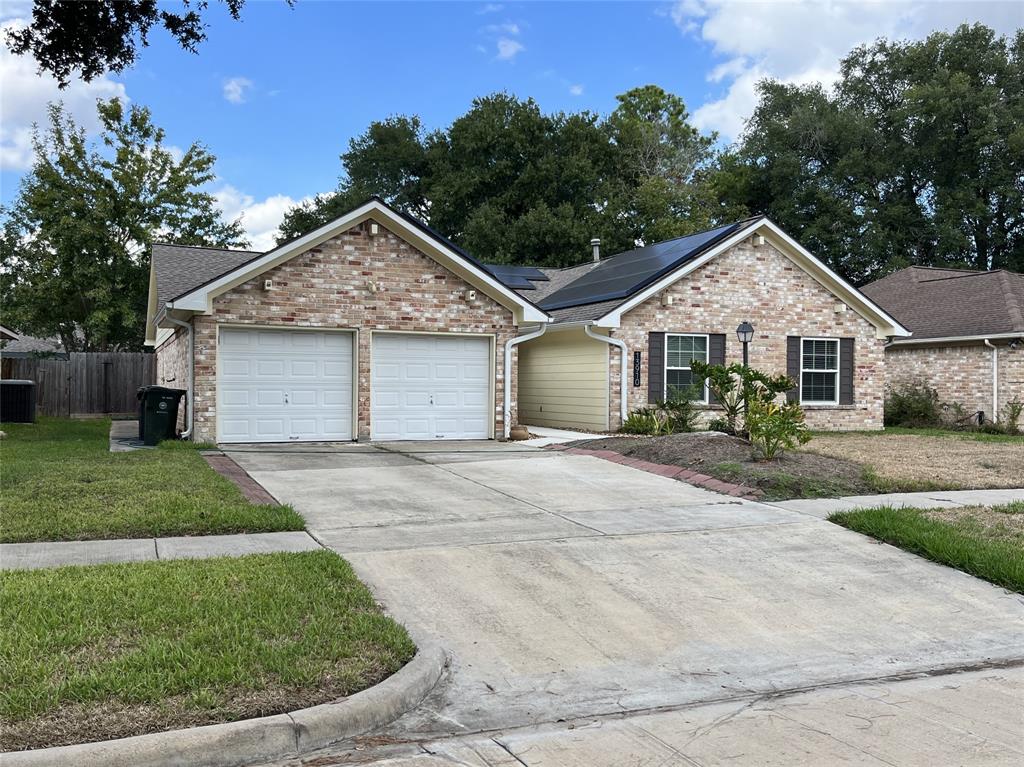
(430, 387)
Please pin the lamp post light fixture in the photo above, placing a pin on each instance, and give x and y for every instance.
(745, 332)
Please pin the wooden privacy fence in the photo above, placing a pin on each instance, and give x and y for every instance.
(87, 383)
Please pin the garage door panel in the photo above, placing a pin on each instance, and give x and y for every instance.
(284, 385)
(430, 387)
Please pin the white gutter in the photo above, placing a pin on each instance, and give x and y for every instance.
(624, 373)
(995, 379)
(191, 372)
(953, 339)
(509, 345)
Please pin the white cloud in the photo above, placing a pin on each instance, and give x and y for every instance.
(508, 48)
(236, 89)
(25, 94)
(490, 8)
(260, 219)
(802, 41)
(576, 90)
(508, 28)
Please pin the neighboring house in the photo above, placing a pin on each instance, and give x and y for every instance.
(14, 345)
(661, 306)
(968, 334)
(372, 326)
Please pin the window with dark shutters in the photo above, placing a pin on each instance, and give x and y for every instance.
(655, 366)
(716, 356)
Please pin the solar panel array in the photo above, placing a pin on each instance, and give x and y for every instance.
(626, 273)
(517, 277)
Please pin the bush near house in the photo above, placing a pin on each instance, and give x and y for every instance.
(915, 405)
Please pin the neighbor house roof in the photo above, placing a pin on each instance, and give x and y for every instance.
(952, 303)
(14, 344)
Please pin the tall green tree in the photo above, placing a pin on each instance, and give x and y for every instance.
(75, 244)
(916, 156)
(513, 184)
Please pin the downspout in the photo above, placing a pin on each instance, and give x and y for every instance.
(191, 373)
(995, 379)
(509, 345)
(624, 374)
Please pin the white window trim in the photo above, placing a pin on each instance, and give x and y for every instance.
(666, 368)
(823, 402)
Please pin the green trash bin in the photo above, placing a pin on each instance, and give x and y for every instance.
(159, 413)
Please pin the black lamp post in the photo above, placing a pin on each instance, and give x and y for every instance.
(745, 332)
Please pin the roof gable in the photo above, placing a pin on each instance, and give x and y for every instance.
(198, 298)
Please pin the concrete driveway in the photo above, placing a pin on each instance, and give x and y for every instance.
(567, 586)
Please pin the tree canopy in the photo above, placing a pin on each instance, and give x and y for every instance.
(75, 243)
(916, 157)
(98, 36)
(515, 185)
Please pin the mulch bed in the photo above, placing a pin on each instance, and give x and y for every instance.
(731, 459)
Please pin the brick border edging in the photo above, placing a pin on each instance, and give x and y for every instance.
(253, 491)
(667, 470)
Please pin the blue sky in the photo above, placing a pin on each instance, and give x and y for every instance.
(277, 96)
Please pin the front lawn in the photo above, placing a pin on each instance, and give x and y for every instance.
(111, 651)
(985, 542)
(58, 481)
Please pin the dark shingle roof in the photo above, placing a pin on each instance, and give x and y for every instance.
(947, 303)
(182, 268)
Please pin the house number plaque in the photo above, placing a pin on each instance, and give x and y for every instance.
(636, 368)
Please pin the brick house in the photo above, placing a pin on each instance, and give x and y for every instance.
(376, 327)
(626, 328)
(372, 326)
(968, 334)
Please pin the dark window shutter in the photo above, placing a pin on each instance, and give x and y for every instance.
(716, 356)
(655, 367)
(793, 366)
(846, 371)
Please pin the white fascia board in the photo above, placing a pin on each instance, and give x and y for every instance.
(885, 325)
(954, 339)
(201, 299)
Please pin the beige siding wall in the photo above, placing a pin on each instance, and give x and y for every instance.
(563, 381)
(960, 373)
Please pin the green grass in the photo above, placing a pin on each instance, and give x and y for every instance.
(985, 551)
(114, 650)
(976, 436)
(58, 481)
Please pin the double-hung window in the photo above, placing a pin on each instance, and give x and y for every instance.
(819, 371)
(680, 351)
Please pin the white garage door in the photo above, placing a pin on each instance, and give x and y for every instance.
(430, 387)
(284, 385)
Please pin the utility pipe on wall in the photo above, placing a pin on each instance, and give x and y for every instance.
(191, 373)
(995, 378)
(506, 421)
(624, 373)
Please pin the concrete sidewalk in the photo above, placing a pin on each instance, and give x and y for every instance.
(31, 556)
(938, 499)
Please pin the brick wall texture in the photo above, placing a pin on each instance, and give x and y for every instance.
(328, 287)
(172, 368)
(762, 286)
(960, 373)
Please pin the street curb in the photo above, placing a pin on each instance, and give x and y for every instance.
(282, 736)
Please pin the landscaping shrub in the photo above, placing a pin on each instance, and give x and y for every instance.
(774, 427)
(732, 385)
(913, 405)
(673, 416)
(1011, 416)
